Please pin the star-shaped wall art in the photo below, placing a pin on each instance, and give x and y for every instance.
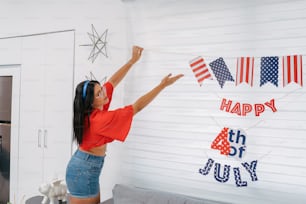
(98, 44)
(92, 77)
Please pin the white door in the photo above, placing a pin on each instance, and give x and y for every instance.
(58, 102)
(46, 109)
(31, 115)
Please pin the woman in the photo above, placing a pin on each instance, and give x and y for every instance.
(95, 126)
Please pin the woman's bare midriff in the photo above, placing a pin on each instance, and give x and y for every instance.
(98, 151)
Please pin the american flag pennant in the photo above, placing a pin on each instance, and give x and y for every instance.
(269, 70)
(292, 69)
(221, 71)
(200, 70)
(245, 70)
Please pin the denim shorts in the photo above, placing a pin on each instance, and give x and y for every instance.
(82, 174)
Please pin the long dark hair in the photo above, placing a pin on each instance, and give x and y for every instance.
(82, 107)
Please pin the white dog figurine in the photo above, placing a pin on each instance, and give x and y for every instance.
(54, 190)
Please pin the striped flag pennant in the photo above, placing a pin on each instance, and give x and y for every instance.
(200, 69)
(292, 69)
(245, 70)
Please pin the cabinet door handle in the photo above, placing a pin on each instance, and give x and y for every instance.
(39, 137)
(45, 138)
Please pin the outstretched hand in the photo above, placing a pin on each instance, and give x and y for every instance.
(168, 80)
(136, 54)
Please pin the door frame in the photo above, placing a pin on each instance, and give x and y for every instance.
(13, 70)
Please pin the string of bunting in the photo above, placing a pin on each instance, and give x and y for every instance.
(291, 70)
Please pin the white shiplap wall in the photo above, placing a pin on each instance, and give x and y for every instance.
(170, 140)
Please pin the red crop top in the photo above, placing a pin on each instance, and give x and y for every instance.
(107, 126)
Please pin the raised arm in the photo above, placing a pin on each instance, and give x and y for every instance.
(120, 74)
(144, 100)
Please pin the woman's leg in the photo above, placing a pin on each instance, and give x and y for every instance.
(94, 200)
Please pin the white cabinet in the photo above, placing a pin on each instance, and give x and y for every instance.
(46, 98)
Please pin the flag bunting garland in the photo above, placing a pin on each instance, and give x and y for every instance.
(291, 68)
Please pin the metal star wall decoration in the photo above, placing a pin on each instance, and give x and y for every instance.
(98, 44)
(92, 77)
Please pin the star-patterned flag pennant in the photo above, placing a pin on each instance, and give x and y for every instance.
(269, 70)
(245, 70)
(292, 69)
(221, 71)
(200, 69)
